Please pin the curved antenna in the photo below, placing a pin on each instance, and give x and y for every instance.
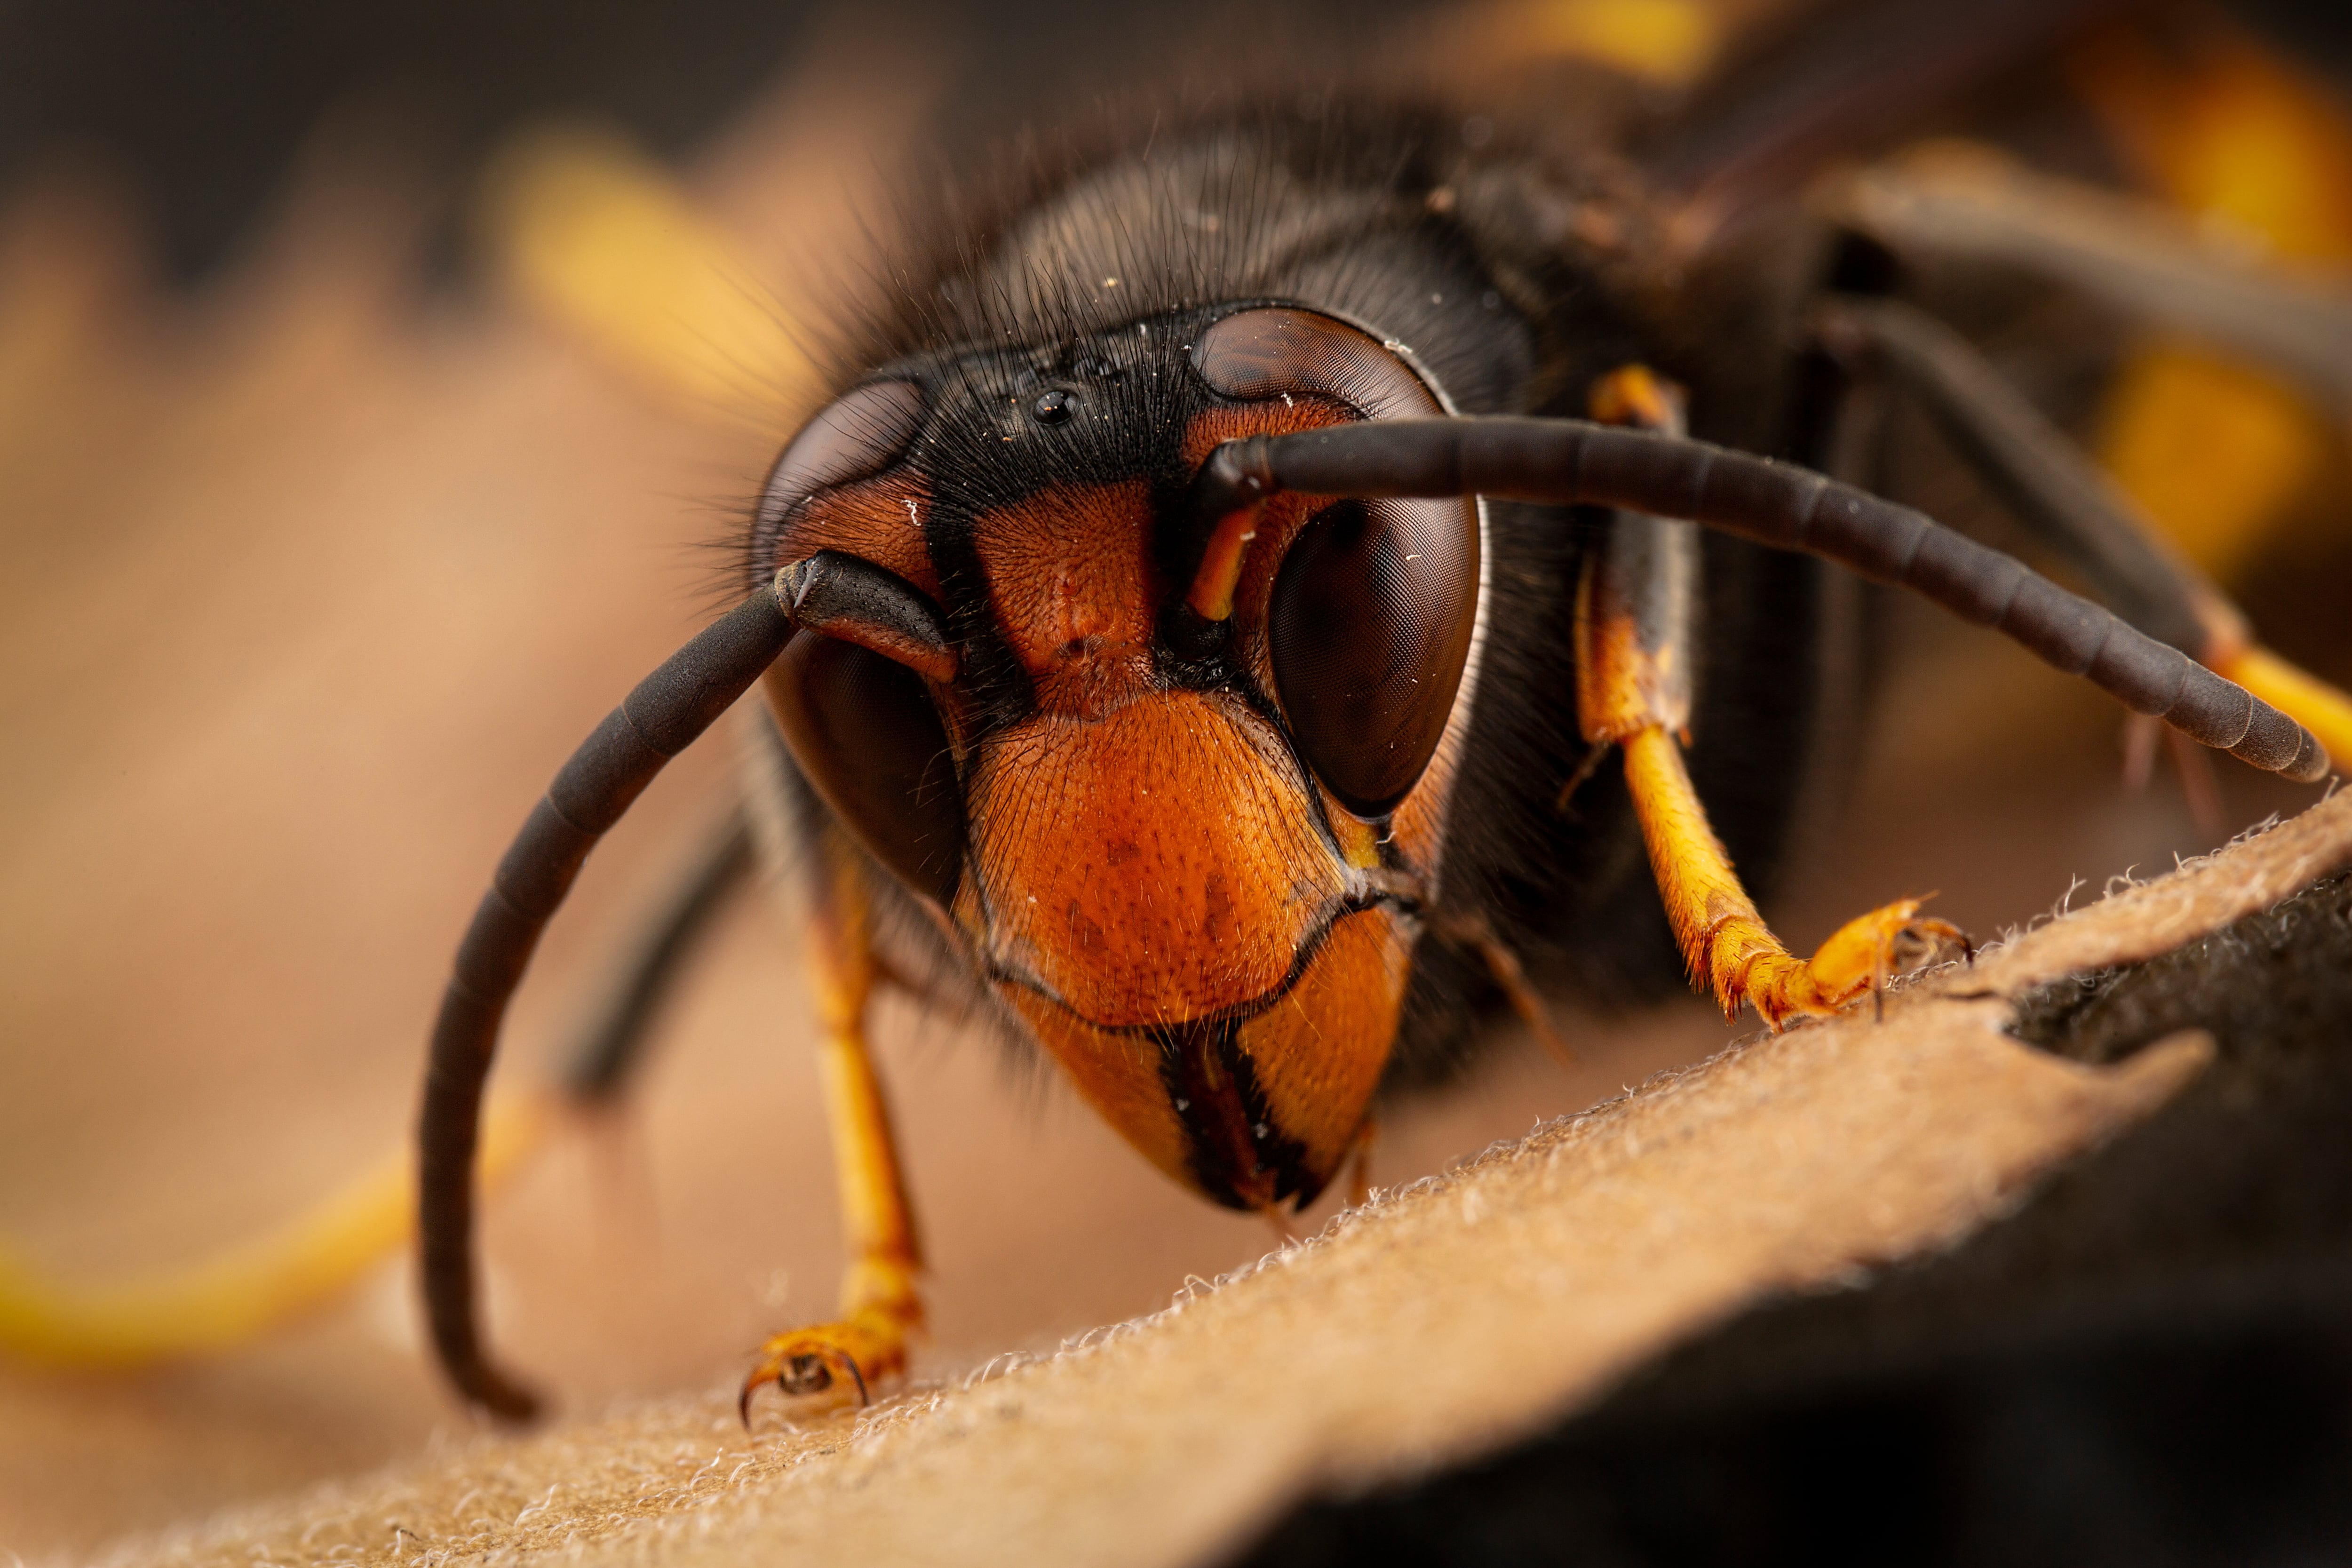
(656, 721)
(1571, 461)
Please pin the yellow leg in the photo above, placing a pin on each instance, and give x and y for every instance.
(1729, 948)
(242, 1294)
(880, 1307)
(1634, 653)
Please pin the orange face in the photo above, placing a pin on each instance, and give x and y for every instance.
(1190, 853)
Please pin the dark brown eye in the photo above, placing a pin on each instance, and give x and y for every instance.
(863, 729)
(1368, 630)
(860, 434)
(1269, 352)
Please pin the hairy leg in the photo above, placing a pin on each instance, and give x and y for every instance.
(880, 1307)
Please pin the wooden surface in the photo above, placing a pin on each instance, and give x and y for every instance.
(1434, 1323)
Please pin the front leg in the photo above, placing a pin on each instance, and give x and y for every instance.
(880, 1307)
(1729, 948)
(1636, 650)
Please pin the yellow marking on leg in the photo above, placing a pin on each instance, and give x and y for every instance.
(880, 1307)
(1633, 631)
(242, 1294)
(1729, 948)
(1636, 598)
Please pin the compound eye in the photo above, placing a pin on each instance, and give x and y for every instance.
(1369, 631)
(864, 730)
(859, 435)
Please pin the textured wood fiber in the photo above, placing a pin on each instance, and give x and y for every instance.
(1436, 1321)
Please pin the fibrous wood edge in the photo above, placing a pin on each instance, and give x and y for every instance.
(1437, 1322)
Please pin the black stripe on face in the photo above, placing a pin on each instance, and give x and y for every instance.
(1239, 1154)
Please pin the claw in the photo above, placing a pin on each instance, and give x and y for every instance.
(1859, 956)
(811, 1361)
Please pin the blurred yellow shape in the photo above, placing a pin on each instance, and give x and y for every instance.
(1668, 42)
(2217, 453)
(598, 237)
(238, 1296)
(2213, 451)
(2229, 132)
